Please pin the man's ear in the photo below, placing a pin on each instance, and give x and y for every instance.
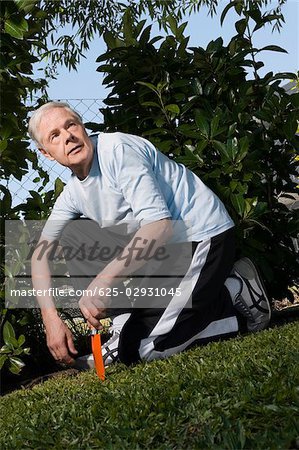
(46, 154)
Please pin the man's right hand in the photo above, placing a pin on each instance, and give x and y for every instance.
(59, 339)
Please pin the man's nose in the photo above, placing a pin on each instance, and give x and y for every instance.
(69, 136)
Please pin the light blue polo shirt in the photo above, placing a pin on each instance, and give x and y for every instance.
(131, 182)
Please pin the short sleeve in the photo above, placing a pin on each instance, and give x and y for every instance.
(63, 211)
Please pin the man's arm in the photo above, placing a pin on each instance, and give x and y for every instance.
(149, 237)
(59, 337)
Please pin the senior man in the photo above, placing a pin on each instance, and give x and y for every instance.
(161, 225)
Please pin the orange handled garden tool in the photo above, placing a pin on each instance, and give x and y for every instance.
(96, 347)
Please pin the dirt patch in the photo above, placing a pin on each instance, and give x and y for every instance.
(61, 374)
(31, 382)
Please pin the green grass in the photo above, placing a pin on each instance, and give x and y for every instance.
(242, 393)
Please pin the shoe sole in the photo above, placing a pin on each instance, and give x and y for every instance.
(242, 270)
(85, 362)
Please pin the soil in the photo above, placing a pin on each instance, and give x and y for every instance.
(28, 384)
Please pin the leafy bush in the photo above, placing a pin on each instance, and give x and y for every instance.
(211, 110)
(238, 394)
(18, 31)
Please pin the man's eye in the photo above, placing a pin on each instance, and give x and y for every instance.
(71, 124)
(53, 136)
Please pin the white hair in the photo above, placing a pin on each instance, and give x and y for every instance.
(37, 115)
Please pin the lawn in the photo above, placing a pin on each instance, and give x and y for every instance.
(241, 393)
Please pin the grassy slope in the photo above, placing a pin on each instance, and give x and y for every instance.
(242, 393)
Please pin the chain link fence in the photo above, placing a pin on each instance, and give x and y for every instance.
(20, 190)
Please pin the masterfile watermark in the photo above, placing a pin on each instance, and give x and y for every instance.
(135, 249)
(149, 293)
(97, 292)
(53, 292)
(65, 267)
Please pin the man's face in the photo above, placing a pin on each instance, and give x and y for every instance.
(63, 138)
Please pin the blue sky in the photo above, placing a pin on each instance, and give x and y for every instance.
(87, 83)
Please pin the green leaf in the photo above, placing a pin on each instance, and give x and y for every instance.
(144, 38)
(161, 85)
(250, 204)
(214, 125)
(197, 86)
(3, 145)
(271, 17)
(233, 185)
(24, 320)
(128, 28)
(226, 9)
(112, 41)
(8, 332)
(3, 358)
(200, 146)
(21, 340)
(182, 28)
(6, 131)
(59, 185)
(232, 47)
(139, 27)
(16, 364)
(202, 123)
(109, 39)
(190, 156)
(16, 29)
(256, 15)
(104, 68)
(214, 46)
(220, 147)
(155, 39)
(173, 108)
(154, 131)
(172, 24)
(160, 122)
(241, 26)
(232, 129)
(260, 209)
(239, 7)
(151, 86)
(5, 349)
(232, 148)
(238, 203)
(151, 104)
(283, 76)
(273, 48)
(243, 148)
(26, 5)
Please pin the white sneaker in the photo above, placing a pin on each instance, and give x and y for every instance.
(109, 349)
(251, 299)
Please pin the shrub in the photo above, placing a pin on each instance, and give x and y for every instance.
(237, 394)
(211, 110)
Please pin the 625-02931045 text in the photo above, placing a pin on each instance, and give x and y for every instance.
(101, 292)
